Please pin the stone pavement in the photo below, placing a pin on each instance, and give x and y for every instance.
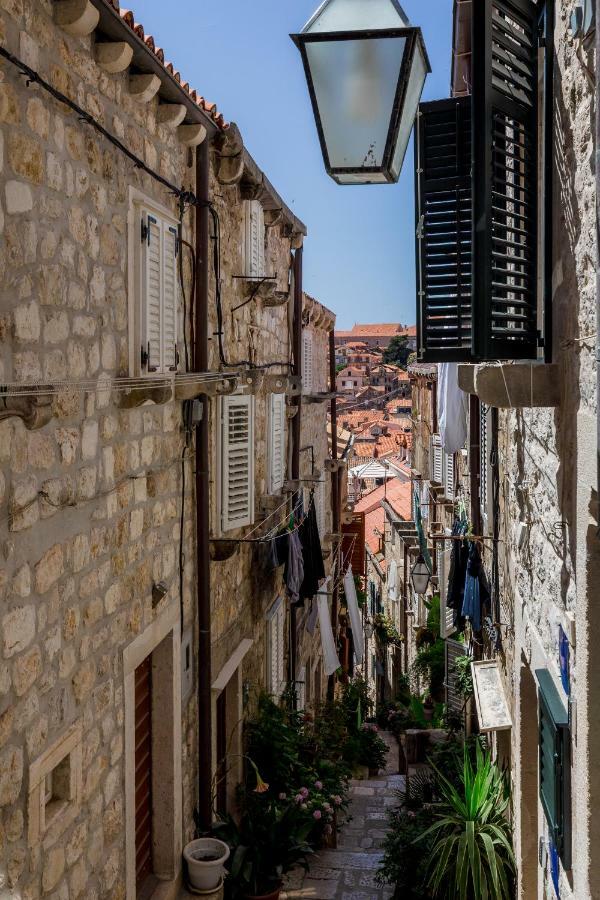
(348, 873)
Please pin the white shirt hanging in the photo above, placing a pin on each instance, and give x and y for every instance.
(451, 409)
(331, 662)
(354, 613)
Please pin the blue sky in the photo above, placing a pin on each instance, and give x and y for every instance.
(359, 255)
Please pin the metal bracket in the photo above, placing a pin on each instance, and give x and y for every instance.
(34, 409)
(275, 384)
(334, 465)
(220, 388)
(252, 380)
(294, 386)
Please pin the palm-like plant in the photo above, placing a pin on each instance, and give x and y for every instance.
(472, 857)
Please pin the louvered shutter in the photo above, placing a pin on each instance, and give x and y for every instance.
(169, 299)
(449, 475)
(320, 508)
(307, 361)
(484, 445)
(276, 446)
(436, 466)
(254, 239)
(505, 173)
(444, 230)
(301, 689)
(151, 292)
(275, 649)
(446, 613)
(237, 462)
(454, 700)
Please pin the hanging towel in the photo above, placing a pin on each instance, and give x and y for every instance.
(312, 617)
(451, 409)
(314, 570)
(474, 595)
(331, 661)
(294, 568)
(354, 613)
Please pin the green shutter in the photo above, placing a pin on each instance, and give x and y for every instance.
(555, 765)
(505, 178)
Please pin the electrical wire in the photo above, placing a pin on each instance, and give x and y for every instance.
(371, 401)
(119, 384)
(187, 244)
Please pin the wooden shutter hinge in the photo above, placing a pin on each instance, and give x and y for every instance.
(144, 355)
(420, 229)
(145, 233)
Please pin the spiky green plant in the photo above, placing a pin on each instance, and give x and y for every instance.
(472, 856)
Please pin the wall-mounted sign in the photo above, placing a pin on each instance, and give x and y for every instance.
(492, 709)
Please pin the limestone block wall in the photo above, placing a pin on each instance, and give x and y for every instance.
(90, 505)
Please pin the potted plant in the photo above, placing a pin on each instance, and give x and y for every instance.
(269, 839)
(373, 749)
(428, 707)
(205, 859)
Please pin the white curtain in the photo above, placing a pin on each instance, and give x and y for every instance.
(392, 580)
(330, 657)
(354, 613)
(451, 409)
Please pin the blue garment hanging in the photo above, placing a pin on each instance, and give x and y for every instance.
(471, 607)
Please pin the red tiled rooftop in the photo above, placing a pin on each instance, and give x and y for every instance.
(129, 18)
(397, 493)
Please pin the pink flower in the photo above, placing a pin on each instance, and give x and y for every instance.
(317, 814)
(326, 807)
(298, 798)
(303, 792)
(337, 800)
(319, 785)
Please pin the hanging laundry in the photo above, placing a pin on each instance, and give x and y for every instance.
(392, 580)
(476, 594)
(294, 567)
(354, 614)
(312, 617)
(451, 409)
(312, 554)
(331, 662)
(457, 574)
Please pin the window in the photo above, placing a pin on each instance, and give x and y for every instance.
(254, 240)
(236, 462)
(55, 784)
(307, 362)
(276, 443)
(159, 290)
(555, 765)
(477, 160)
(275, 648)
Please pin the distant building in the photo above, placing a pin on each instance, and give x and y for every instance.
(377, 336)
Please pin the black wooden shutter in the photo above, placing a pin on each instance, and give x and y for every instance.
(444, 230)
(505, 174)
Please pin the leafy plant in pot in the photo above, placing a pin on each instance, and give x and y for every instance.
(269, 839)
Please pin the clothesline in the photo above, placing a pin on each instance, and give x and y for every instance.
(464, 537)
(272, 532)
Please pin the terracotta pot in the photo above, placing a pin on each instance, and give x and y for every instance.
(274, 895)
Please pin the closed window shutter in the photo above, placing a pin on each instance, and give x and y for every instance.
(484, 463)
(449, 475)
(280, 648)
(254, 242)
(152, 293)
(276, 641)
(301, 689)
(505, 173)
(555, 765)
(320, 508)
(437, 471)
(446, 613)
(307, 362)
(444, 232)
(237, 462)
(454, 700)
(169, 304)
(276, 447)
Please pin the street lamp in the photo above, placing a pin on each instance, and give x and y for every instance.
(366, 67)
(420, 576)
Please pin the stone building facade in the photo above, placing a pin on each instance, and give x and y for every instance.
(98, 575)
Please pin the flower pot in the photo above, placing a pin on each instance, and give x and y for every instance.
(205, 859)
(274, 895)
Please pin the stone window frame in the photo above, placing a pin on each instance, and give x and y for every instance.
(137, 202)
(68, 745)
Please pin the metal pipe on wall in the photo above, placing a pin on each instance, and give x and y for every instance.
(296, 427)
(335, 501)
(203, 494)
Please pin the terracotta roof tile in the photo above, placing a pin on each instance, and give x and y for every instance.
(397, 493)
(129, 19)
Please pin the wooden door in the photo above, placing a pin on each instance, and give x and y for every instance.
(143, 770)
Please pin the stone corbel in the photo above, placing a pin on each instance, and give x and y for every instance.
(292, 486)
(34, 409)
(191, 135)
(171, 114)
(139, 395)
(275, 384)
(252, 380)
(113, 56)
(222, 388)
(511, 386)
(143, 87)
(220, 551)
(319, 397)
(334, 465)
(231, 157)
(76, 17)
(273, 217)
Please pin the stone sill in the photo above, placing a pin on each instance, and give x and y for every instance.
(512, 386)
(319, 397)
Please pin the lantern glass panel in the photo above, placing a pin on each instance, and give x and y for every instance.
(355, 84)
(356, 15)
(418, 73)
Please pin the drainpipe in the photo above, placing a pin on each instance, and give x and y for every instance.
(203, 495)
(296, 428)
(597, 253)
(335, 501)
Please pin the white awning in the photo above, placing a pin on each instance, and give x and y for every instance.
(492, 709)
(372, 469)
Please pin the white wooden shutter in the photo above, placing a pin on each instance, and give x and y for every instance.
(449, 475)
(151, 236)
(454, 700)
(237, 462)
(320, 507)
(276, 642)
(254, 239)
(436, 463)
(307, 361)
(446, 614)
(276, 443)
(169, 299)
(484, 463)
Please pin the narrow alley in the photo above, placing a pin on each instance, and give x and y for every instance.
(350, 871)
